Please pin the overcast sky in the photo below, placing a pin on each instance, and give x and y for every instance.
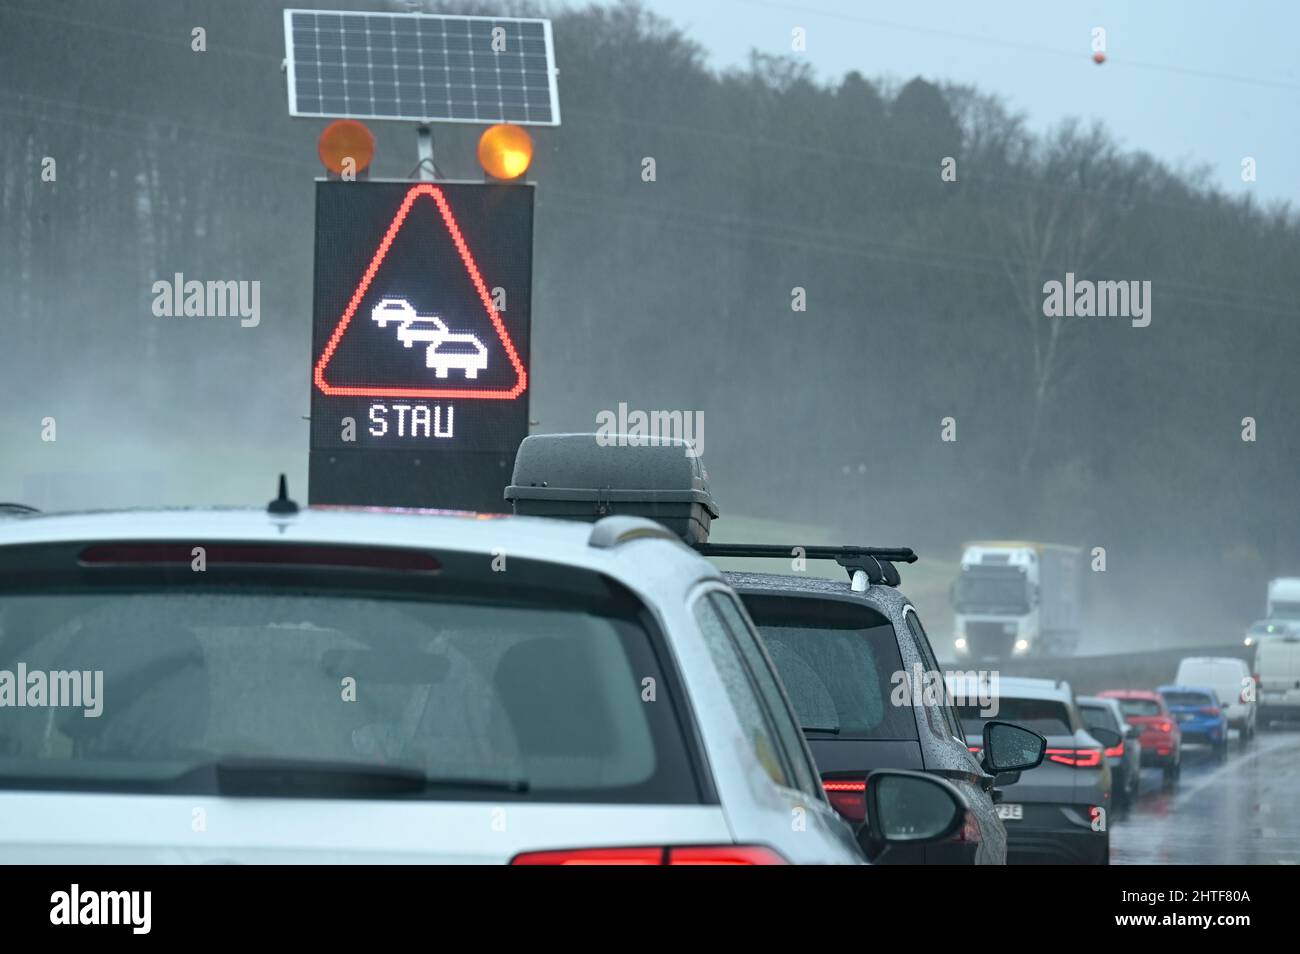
(1190, 81)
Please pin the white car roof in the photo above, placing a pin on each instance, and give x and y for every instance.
(524, 537)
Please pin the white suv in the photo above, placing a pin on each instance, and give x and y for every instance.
(339, 685)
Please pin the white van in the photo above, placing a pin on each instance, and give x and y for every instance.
(1231, 680)
(1277, 667)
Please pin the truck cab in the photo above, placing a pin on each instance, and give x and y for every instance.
(1016, 599)
(1284, 598)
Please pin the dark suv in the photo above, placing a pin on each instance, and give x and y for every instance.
(846, 653)
(852, 656)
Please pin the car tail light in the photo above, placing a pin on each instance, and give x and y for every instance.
(1165, 726)
(969, 833)
(724, 855)
(258, 554)
(975, 749)
(592, 856)
(645, 855)
(1115, 751)
(1208, 710)
(1076, 758)
(848, 797)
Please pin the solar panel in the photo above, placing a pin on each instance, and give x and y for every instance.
(421, 67)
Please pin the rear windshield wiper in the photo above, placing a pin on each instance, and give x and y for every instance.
(832, 730)
(281, 777)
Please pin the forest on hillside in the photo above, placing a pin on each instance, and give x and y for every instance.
(924, 297)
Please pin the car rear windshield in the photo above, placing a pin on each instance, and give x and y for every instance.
(1044, 716)
(536, 695)
(1139, 707)
(838, 661)
(1101, 716)
(1173, 699)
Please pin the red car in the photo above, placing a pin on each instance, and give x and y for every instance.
(1162, 743)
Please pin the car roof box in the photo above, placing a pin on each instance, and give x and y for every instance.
(590, 476)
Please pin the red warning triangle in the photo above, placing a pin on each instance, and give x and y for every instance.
(467, 258)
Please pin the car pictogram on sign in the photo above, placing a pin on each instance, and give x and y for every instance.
(447, 349)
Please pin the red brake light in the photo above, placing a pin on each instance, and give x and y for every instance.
(970, 830)
(724, 855)
(848, 797)
(1209, 710)
(1076, 758)
(257, 554)
(1165, 726)
(592, 856)
(693, 855)
(1117, 750)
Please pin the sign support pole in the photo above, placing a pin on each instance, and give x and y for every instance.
(424, 147)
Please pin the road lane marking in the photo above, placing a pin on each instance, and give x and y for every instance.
(1232, 766)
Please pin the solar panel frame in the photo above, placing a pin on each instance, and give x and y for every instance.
(409, 65)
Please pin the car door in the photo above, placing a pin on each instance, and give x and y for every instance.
(948, 755)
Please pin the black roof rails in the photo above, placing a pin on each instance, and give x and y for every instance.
(876, 562)
(16, 509)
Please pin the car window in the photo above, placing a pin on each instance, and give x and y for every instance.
(544, 691)
(837, 661)
(1189, 699)
(1139, 707)
(783, 719)
(1100, 716)
(1044, 716)
(741, 691)
(949, 714)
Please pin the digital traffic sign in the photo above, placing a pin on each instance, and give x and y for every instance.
(421, 323)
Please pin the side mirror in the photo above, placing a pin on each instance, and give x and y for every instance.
(912, 807)
(1108, 738)
(1011, 748)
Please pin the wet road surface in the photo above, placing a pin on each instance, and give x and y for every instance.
(1242, 811)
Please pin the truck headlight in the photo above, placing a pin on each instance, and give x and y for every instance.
(1021, 645)
(960, 643)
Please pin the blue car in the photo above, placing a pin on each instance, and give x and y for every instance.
(1200, 716)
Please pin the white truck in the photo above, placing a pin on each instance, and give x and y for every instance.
(1284, 598)
(1017, 598)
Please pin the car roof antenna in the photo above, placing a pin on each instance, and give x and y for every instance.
(282, 505)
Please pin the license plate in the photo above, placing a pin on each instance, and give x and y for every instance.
(1011, 812)
(1184, 717)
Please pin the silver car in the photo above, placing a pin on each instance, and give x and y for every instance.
(388, 686)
